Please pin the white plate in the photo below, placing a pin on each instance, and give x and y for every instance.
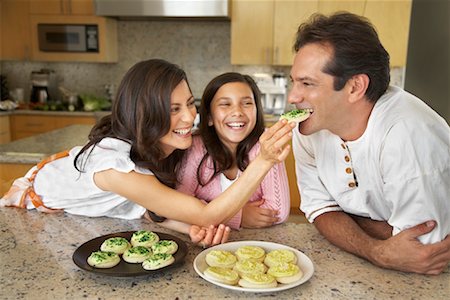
(303, 261)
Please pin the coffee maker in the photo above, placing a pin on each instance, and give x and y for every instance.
(39, 86)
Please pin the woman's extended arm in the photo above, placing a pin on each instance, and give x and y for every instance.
(203, 236)
(148, 192)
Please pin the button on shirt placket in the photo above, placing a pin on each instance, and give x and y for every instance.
(352, 183)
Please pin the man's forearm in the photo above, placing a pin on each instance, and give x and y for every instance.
(377, 229)
(403, 252)
(341, 230)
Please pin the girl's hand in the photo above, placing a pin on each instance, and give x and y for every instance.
(206, 237)
(273, 141)
(254, 216)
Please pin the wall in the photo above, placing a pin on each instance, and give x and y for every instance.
(201, 48)
(428, 65)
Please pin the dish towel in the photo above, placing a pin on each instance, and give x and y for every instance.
(22, 191)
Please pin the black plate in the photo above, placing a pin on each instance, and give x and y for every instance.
(124, 269)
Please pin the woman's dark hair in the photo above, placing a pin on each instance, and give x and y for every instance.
(356, 47)
(221, 156)
(141, 116)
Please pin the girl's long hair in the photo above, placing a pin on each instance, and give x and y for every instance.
(221, 156)
(141, 116)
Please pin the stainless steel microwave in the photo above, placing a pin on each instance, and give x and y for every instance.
(68, 38)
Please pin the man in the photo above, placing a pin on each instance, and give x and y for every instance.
(372, 161)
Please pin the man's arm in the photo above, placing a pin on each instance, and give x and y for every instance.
(401, 252)
(377, 229)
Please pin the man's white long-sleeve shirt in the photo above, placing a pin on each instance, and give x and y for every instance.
(398, 171)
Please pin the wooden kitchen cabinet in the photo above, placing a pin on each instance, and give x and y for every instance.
(391, 19)
(327, 7)
(23, 126)
(62, 7)
(263, 32)
(15, 30)
(292, 178)
(5, 132)
(251, 32)
(288, 16)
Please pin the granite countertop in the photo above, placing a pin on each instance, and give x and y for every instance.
(37, 248)
(33, 149)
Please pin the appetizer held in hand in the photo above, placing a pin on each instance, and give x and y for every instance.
(296, 115)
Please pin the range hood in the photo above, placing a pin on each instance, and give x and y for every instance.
(126, 9)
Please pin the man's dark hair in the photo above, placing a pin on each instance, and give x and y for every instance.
(356, 48)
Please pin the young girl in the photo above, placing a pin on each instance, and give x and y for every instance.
(231, 121)
(129, 164)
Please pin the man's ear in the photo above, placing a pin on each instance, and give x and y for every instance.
(358, 87)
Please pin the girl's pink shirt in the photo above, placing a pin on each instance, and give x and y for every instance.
(274, 188)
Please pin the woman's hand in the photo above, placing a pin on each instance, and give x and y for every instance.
(273, 141)
(210, 236)
(254, 216)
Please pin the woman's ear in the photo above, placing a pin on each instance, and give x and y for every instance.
(358, 87)
(210, 122)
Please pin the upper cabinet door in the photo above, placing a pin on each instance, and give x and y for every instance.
(327, 7)
(263, 31)
(15, 30)
(252, 32)
(62, 7)
(288, 16)
(391, 19)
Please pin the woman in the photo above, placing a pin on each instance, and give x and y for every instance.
(129, 164)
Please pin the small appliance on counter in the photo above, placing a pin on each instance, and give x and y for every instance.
(40, 81)
(273, 92)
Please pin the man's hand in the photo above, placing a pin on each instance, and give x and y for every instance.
(210, 236)
(254, 216)
(404, 252)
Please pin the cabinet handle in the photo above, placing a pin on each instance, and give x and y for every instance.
(275, 56)
(27, 53)
(70, 7)
(267, 56)
(61, 6)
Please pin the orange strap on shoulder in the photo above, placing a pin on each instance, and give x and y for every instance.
(35, 199)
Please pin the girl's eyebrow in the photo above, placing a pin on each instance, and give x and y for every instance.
(224, 98)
